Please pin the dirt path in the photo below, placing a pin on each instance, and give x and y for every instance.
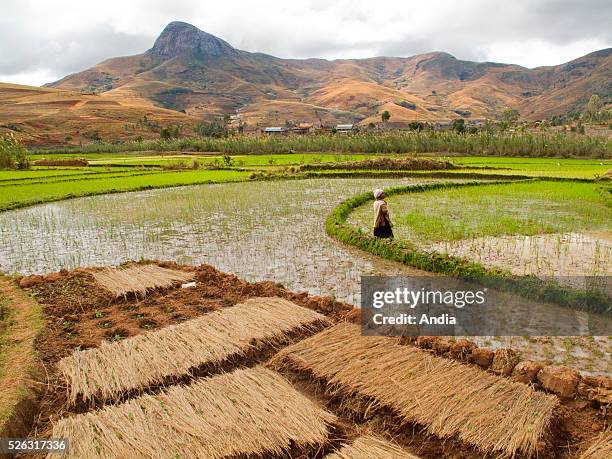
(20, 322)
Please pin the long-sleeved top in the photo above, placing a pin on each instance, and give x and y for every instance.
(380, 212)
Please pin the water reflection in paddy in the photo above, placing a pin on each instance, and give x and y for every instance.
(256, 230)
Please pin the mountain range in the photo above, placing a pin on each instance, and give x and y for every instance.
(196, 75)
(191, 70)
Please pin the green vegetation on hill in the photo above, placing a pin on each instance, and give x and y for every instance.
(12, 154)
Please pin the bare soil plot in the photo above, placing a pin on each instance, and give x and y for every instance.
(252, 412)
(175, 351)
(493, 414)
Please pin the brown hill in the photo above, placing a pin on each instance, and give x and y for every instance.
(48, 116)
(188, 69)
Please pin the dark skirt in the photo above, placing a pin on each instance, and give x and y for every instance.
(384, 231)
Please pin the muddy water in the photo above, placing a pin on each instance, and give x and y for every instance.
(564, 254)
(258, 231)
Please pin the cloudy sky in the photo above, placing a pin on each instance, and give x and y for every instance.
(43, 40)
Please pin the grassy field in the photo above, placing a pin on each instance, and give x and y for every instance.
(24, 194)
(544, 167)
(116, 172)
(525, 208)
(550, 167)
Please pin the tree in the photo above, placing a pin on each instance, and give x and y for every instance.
(594, 105)
(171, 132)
(385, 116)
(510, 116)
(214, 129)
(13, 155)
(458, 125)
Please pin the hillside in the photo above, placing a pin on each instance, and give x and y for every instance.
(48, 116)
(188, 69)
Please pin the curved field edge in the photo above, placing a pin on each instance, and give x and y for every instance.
(10, 202)
(532, 287)
(21, 319)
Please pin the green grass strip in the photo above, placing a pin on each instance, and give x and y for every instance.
(21, 319)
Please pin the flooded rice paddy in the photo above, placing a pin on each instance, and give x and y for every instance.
(257, 230)
(557, 254)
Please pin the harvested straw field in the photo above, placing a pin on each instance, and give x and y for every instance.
(428, 405)
(252, 412)
(210, 340)
(139, 279)
(601, 448)
(493, 414)
(368, 447)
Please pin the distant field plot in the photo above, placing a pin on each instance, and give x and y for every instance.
(236, 160)
(114, 173)
(43, 172)
(548, 167)
(23, 195)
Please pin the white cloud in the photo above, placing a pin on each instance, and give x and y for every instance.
(30, 78)
(536, 53)
(53, 38)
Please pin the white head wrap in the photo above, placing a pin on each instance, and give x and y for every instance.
(377, 193)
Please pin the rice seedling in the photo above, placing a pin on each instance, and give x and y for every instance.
(210, 340)
(525, 208)
(601, 448)
(367, 447)
(493, 414)
(247, 413)
(139, 279)
(218, 224)
(35, 193)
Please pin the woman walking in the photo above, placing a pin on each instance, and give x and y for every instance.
(382, 220)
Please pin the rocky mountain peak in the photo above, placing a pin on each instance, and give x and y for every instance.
(179, 38)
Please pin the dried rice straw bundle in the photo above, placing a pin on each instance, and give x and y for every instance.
(171, 353)
(601, 448)
(494, 414)
(139, 279)
(253, 412)
(368, 447)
